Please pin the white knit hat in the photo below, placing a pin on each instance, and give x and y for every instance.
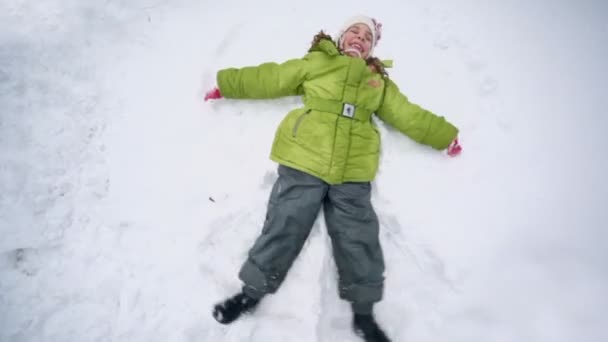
(374, 26)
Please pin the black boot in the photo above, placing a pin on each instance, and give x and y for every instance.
(230, 309)
(366, 327)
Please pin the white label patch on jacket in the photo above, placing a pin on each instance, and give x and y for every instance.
(348, 110)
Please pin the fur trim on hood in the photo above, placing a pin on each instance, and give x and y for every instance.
(374, 62)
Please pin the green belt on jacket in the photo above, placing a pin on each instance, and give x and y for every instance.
(339, 108)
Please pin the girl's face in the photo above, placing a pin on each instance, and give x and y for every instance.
(357, 41)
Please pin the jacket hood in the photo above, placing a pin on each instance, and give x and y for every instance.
(323, 42)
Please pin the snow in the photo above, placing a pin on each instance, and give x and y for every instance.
(127, 204)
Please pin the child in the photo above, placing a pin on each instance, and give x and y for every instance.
(328, 153)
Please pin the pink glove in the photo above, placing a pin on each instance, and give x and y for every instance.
(454, 149)
(213, 94)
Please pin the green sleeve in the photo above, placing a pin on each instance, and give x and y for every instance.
(417, 123)
(265, 81)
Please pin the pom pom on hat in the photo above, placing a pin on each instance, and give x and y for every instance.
(374, 26)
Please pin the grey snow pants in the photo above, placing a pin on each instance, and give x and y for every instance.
(352, 224)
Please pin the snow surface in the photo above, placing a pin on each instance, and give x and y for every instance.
(127, 204)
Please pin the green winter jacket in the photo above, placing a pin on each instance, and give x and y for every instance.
(333, 137)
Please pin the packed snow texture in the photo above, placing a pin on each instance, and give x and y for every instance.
(127, 204)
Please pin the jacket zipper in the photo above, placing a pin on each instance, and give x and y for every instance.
(298, 122)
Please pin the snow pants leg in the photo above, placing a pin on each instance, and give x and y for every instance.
(294, 204)
(353, 227)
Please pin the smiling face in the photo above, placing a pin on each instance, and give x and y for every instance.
(357, 41)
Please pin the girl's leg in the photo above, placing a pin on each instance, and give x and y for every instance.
(294, 204)
(353, 227)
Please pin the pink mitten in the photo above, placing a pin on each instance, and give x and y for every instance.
(213, 94)
(454, 149)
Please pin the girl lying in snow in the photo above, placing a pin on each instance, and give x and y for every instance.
(328, 153)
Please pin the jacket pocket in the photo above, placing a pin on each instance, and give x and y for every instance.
(294, 131)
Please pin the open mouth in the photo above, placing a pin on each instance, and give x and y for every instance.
(356, 46)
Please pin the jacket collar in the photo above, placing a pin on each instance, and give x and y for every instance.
(327, 46)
